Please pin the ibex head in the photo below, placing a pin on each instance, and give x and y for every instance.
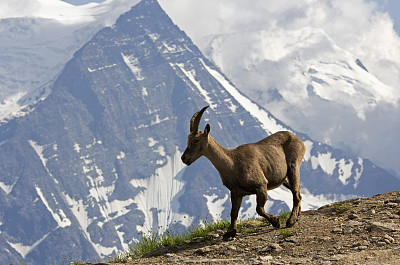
(197, 140)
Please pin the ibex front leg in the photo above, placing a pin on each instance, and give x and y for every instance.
(236, 201)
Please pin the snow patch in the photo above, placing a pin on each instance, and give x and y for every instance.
(359, 172)
(24, 250)
(191, 75)
(39, 151)
(152, 142)
(101, 68)
(215, 205)
(158, 199)
(325, 161)
(59, 217)
(121, 155)
(133, 64)
(268, 123)
(77, 148)
(7, 188)
(345, 170)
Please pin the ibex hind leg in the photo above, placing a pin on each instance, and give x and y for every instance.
(293, 183)
(262, 197)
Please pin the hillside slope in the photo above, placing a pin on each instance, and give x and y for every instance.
(356, 231)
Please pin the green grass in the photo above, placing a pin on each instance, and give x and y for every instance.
(341, 207)
(284, 216)
(153, 241)
(286, 232)
(150, 242)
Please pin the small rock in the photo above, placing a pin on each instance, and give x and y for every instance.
(334, 258)
(231, 248)
(265, 258)
(273, 247)
(197, 239)
(381, 243)
(362, 247)
(352, 223)
(337, 230)
(213, 234)
(374, 239)
(392, 204)
(353, 216)
(348, 231)
(389, 238)
(202, 251)
(383, 227)
(372, 211)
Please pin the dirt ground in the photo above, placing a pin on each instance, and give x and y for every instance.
(357, 231)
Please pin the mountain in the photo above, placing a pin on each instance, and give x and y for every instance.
(97, 162)
(37, 39)
(308, 81)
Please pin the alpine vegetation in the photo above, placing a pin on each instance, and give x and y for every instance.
(251, 168)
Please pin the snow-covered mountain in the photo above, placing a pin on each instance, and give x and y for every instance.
(98, 160)
(305, 79)
(37, 39)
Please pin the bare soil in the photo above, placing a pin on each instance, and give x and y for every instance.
(357, 231)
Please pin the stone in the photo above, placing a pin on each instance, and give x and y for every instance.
(389, 238)
(272, 247)
(233, 248)
(353, 216)
(383, 227)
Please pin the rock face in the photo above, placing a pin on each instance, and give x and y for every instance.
(98, 161)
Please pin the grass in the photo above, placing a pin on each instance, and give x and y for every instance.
(154, 241)
(150, 242)
(284, 216)
(341, 207)
(286, 232)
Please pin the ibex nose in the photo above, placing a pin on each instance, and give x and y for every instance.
(185, 159)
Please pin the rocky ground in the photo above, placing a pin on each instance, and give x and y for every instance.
(357, 231)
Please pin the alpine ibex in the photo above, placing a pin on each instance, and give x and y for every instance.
(251, 168)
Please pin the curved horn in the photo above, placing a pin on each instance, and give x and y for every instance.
(195, 121)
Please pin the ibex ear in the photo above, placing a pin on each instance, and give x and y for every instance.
(207, 129)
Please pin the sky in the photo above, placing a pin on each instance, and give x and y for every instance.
(390, 6)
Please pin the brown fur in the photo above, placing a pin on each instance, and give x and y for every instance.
(251, 168)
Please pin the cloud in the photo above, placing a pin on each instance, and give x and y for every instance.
(358, 26)
(298, 60)
(18, 8)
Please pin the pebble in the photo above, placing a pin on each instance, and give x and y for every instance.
(362, 247)
(231, 248)
(353, 216)
(381, 243)
(383, 227)
(389, 238)
(272, 247)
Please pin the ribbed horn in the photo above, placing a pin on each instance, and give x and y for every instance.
(195, 121)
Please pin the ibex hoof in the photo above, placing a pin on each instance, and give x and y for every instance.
(290, 223)
(229, 234)
(275, 223)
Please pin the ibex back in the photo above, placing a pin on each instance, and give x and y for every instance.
(251, 168)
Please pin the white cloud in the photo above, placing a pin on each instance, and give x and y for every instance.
(18, 8)
(297, 59)
(358, 26)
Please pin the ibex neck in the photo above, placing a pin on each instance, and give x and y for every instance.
(219, 156)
